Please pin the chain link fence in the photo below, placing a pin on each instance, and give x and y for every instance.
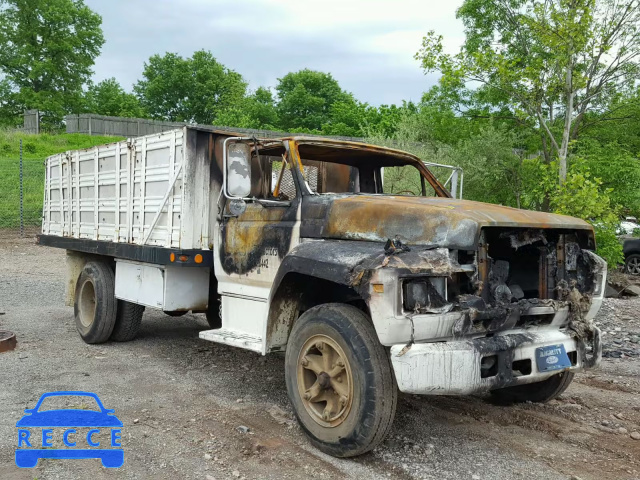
(21, 193)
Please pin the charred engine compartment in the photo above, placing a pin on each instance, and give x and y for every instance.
(512, 272)
(532, 264)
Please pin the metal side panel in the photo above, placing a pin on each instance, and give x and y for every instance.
(194, 222)
(243, 324)
(170, 288)
(244, 314)
(140, 283)
(158, 189)
(186, 289)
(52, 207)
(130, 192)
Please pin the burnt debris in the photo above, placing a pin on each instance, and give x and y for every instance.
(512, 272)
(394, 246)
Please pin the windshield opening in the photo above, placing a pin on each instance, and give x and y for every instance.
(331, 169)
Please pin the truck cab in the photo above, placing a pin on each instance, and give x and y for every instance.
(353, 260)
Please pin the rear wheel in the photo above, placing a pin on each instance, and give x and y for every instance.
(214, 314)
(95, 304)
(339, 380)
(128, 320)
(539, 392)
(632, 264)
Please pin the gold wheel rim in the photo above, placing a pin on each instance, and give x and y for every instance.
(325, 382)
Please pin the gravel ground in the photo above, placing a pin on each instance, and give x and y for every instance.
(182, 401)
(620, 325)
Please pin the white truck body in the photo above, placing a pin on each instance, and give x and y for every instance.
(266, 231)
(133, 191)
(297, 245)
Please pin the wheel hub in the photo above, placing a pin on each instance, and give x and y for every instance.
(87, 304)
(325, 381)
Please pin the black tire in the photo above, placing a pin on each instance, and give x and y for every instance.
(539, 392)
(374, 394)
(95, 305)
(214, 314)
(128, 320)
(632, 264)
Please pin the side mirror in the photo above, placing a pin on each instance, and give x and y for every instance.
(238, 169)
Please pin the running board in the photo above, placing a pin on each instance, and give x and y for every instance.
(233, 338)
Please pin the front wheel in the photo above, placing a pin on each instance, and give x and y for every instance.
(340, 380)
(539, 392)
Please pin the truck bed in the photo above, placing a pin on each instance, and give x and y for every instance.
(150, 190)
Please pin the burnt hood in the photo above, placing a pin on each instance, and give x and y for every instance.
(443, 222)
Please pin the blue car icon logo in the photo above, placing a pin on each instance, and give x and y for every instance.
(38, 429)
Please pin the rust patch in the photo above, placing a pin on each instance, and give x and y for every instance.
(247, 237)
(429, 220)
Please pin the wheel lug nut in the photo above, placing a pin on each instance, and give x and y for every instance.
(339, 379)
(320, 346)
(343, 400)
(307, 396)
(340, 363)
(304, 362)
(325, 416)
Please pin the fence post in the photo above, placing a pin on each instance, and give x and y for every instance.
(21, 195)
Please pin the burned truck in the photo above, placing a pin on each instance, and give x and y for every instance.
(351, 259)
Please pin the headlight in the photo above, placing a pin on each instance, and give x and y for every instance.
(421, 293)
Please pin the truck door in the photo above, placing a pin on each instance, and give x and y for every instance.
(259, 225)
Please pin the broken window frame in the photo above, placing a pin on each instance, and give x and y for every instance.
(402, 159)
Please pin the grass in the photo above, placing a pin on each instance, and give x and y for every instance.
(35, 149)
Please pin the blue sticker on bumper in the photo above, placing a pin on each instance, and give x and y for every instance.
(552, 357)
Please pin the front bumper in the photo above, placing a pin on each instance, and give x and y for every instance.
(454, 368)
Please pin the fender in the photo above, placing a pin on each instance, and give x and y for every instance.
(341, 263)
(348, 265)
(338, 261)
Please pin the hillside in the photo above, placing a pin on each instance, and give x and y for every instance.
(35, 148)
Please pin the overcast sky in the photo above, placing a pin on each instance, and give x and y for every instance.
(367, 45)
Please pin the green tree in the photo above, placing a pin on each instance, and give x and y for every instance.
(257, 110)
(583, 196)
(109, 98)
(261, 109)
(347, 118)
(47, 51)
(305, 99)
(196, 89)
(493, 170)
(352, 118)
(438, 120)
(617, 169)
(549, 62)
(618, 122)
(9, 112)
